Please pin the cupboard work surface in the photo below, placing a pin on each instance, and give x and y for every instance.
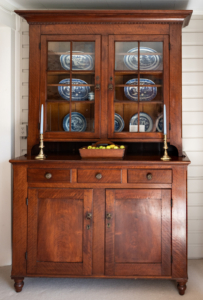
(128, 222)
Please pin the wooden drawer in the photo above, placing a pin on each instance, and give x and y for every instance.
(99, 176)
(48, 175)
(149, 176)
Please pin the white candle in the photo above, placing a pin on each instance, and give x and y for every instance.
(165, 130)
(42, 118)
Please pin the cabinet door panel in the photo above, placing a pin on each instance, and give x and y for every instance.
(138, 235)
(58, 239)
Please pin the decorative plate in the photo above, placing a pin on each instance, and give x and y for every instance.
(79, 93)
(159, 123)
(118, 123)
(145, 119)
(148, 61)
(147, 93)
(80, 61)
(78, 122)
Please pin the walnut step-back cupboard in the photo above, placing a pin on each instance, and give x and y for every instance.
(98, 74)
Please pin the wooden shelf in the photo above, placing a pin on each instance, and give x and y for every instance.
(133, 72)
(68, 101)
(68, 53)
(136, 53)
(141, 102)
(82, 72)
(57, 84)
(141, 85)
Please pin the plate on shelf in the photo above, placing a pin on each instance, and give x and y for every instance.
(78, 122)
(118, 123)
(149, 59)
(79, 93)
(80, 61)
(147, 93)
(159, 124)
(145, 119)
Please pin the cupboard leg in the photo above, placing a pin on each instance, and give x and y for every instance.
(181, 285)
(19, 283)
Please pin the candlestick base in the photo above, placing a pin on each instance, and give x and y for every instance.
(41, 155)
(165, 157)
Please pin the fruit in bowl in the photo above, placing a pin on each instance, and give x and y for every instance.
(105, 147)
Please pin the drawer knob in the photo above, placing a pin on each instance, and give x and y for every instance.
(98, 176)
(149, 176)
(89, 216)
(48, 175)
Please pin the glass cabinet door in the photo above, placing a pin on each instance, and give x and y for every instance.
(70, 86)
(138, 86)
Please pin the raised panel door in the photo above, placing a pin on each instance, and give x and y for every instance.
(138, 232)
(60, 231)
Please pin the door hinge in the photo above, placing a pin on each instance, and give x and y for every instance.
(39, 46)
(26, 201)
(26, 255)
(171, 202)
(171, 258)
(169, 126)
(169, 46)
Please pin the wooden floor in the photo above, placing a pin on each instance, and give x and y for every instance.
(102, 289)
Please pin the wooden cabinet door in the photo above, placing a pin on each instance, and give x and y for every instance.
(59, 231)
(138, 232)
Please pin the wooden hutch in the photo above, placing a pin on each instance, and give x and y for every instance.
(102, 218)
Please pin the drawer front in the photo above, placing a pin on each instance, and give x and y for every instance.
(48, 175)
(99, 176)
(149, 176)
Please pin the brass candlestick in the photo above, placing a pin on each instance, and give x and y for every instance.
(41, 154)
(165, 157)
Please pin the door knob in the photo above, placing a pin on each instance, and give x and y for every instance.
(149, 176)
(98, 176)
(48, 175)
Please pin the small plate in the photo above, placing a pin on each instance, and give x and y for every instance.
(159, 124)
(118, 123)
(148, 61)
(78, 122)
(79, 93)
(147, 93)
(145, 119)
(80, 61)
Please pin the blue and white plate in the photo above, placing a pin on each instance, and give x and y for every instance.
(149, 60)
(147, 93)
(79, 93)
(145, 119)
(159, 124)
(80, 61)
(78, 122)
(118, 123)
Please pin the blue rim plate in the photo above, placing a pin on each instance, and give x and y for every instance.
(80, 61)
(159, 124)
(118, 123)
(79, 93)
(145, 119)
(147, 93)
(150, 60)
(78, 122)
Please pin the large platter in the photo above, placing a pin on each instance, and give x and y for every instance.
(145, 119)
(118, 123)
(80, 61)
(78, 122)
(79, 93)
(149, 60)
(159, 124)
(147, 93)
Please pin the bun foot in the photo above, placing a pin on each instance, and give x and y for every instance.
(19, 283)
(181, 287)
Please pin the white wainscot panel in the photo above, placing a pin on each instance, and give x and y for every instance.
(24, 116)
(192, 38)
(25, 89)
(25, 37)
(195, 238)
(194, 26)
(25, 51)
(24, 25)
(195, 225)
(192, 131)
(192, 65)
(24, 102)
(195, 199)
(25, 63)
(192, 104)
(192, 51)
(195, 91)
(193, 118)
(195, 213)
(192, 78)
(195, 157)
(195, 171)
(193, 144)
(195, 186)
(25, 76)
(195, 251)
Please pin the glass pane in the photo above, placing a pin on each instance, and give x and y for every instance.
(122, 116)
(151, 55)
(56, 53)
(55, 115)
(83, 56)
(124, 59)
(82, 117)
(150, 117)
